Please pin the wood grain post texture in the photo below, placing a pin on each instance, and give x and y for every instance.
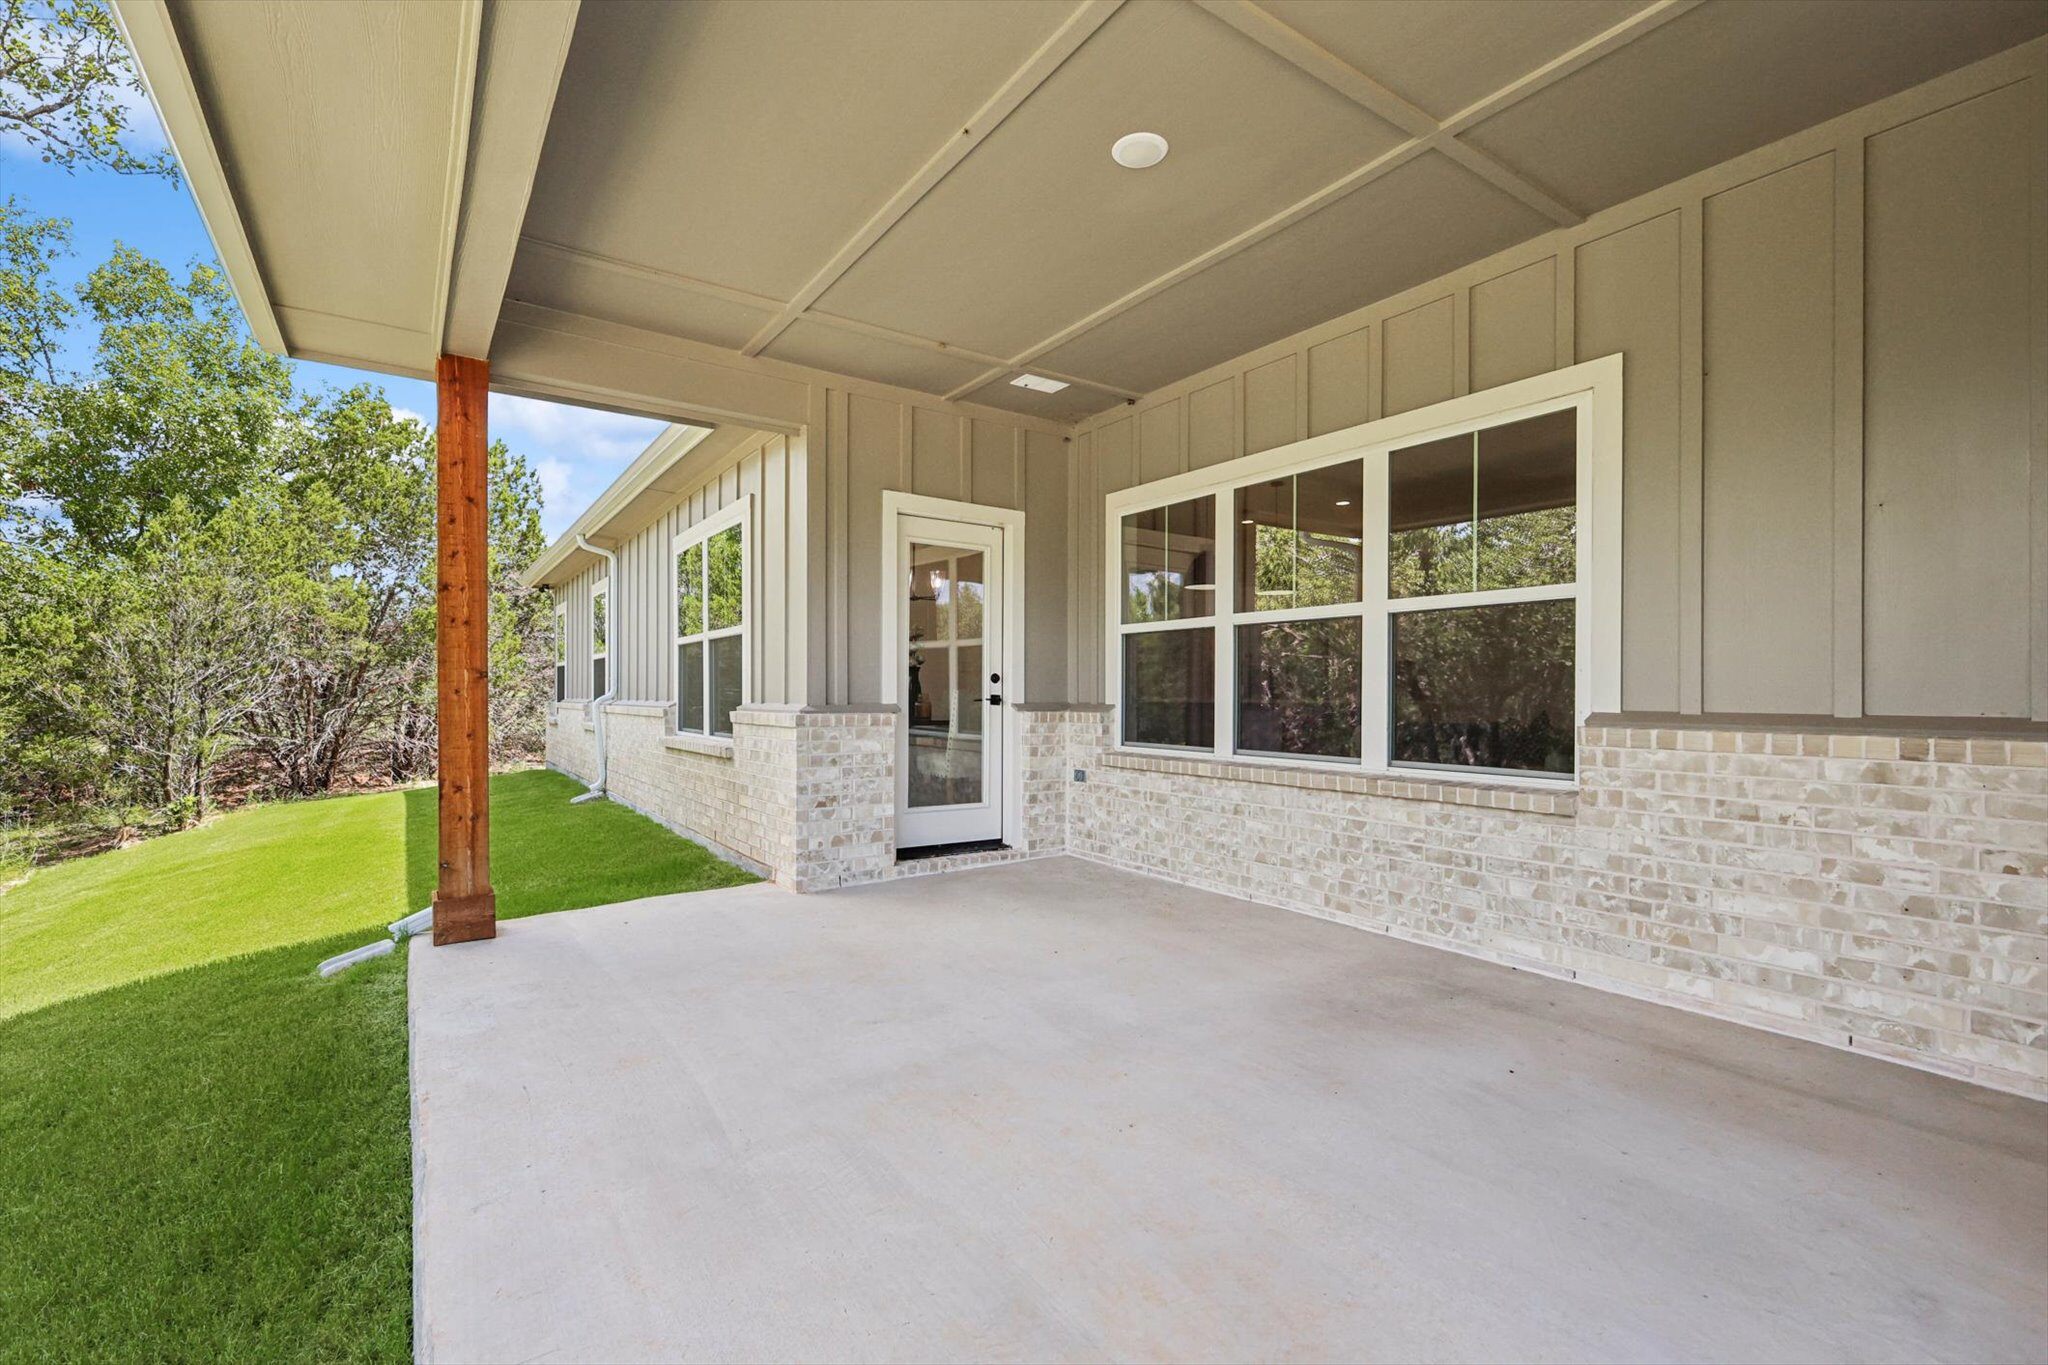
(465, 907)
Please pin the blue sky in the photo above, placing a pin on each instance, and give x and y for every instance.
(576, 451)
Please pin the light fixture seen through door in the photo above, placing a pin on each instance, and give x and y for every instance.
(1136, 151)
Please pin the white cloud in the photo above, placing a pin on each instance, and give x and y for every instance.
(408, 415)
(576, 452)
(571, 432)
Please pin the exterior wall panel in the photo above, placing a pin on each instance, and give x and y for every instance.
(1836, 354)
(1947, 385)
(1768, 462)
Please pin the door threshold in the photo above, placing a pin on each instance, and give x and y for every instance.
(911, 855)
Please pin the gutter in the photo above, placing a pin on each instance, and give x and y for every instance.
(611, 675)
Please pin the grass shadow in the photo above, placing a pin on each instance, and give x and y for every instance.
(422, 845)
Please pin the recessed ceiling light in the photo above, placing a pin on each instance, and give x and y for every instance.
(1343, 502)
(1039, 382)
(1138, 150)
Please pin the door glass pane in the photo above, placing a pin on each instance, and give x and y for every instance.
(1170, 688)
(725, 682)
(969, 690)
(1527, 502)
(1485, 687)
(947, 604)
(970, 597)
(1298, 688)
(690, 687)
(930, 610)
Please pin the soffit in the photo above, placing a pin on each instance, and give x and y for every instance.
(344, 171)
(921, 194)
(742, 142)
(1727, 77)
(756, 177)
(1422, 220)
(1047, 228)
(1447, 54)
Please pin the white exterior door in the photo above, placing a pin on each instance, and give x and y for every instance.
(949, 680)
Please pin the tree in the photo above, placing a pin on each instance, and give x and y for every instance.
(69, 89)
(180, 403)
(160, 657)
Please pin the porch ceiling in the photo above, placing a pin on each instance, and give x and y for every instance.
(920, 194)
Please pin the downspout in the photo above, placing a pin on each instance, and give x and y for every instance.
(611, 674)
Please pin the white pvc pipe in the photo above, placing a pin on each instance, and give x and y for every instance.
(611, 674)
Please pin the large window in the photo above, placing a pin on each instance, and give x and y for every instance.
(1409, 602)
(600, 635)
(711, 620)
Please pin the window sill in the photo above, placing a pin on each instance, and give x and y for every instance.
(706, 746)
(1549, 798)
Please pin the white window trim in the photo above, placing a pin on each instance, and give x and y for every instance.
(740, 513)
(1593, 387)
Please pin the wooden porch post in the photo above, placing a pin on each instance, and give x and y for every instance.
(465, 907)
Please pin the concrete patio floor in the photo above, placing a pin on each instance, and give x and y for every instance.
(1051, 1111)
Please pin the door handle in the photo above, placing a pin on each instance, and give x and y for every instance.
(993, 699)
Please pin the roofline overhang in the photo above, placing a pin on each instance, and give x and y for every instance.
(673, 465)
(167, 80)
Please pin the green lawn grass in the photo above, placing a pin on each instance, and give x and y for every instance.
(203, 1146)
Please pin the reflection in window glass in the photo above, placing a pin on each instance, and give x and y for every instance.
(1300, 539)
(1485, 510)
(1170, 688)
(690, 591)
(1298, 687)
(599, 630)
(970, 594)
(1528, 490)
(1170, 562)
(1485, 687)
(724, 577)
(725, 682)
(690, 670)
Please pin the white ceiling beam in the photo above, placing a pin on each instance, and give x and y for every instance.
(461, 108)
(167, 79)
(768, 303)
(521, 52)
(1306, 55)
(1283, 40)
(1079, 27)
(1641, 24)
(1222, 251)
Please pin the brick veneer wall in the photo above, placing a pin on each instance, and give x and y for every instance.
(804, 796)
(1882, 894)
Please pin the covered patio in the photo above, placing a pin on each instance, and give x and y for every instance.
(1057, 1111)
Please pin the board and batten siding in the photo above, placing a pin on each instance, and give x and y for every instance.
(881, 444)
(642, 653)
(875, 442)
(1836, 429)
